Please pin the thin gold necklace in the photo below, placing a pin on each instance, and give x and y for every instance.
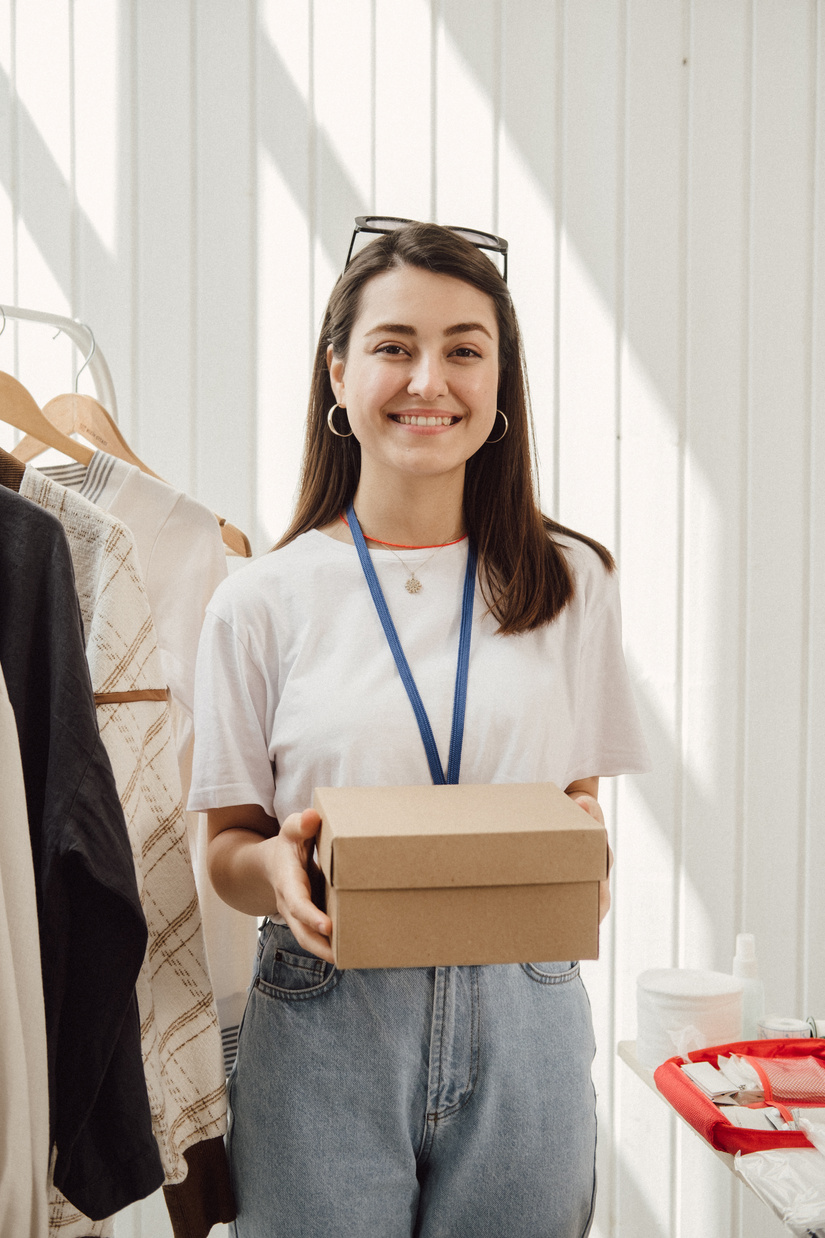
(412, 584)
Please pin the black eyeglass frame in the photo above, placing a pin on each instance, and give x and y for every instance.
(487, 240)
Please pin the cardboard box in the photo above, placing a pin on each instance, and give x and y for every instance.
(438, 876)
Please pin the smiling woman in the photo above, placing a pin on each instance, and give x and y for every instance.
(524, 576)
(427, 1101)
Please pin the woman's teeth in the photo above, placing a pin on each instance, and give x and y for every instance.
(406, 420)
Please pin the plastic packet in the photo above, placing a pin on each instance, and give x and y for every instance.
(790, 1182)
(739, 1073)
(812, 1122)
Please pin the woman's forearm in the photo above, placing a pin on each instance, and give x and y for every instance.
(263, 870)
(239, 861)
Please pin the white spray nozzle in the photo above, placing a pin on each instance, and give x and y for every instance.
(744, 961)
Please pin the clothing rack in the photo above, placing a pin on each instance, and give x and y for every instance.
(82, 335)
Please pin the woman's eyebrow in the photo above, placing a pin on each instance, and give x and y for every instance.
(392, 328)
(462, 328)
(400, 328)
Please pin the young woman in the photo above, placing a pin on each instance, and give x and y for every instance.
(436, 1101)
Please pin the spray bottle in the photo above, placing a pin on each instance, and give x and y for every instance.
(753, 996)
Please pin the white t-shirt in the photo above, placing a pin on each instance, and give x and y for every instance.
(181, 555)
(296, 686)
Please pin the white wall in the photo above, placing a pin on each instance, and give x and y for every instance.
(183, 176)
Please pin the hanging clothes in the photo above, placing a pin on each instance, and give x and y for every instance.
(180, 1037)
(181, 556)
(24, 1094)
(183, 561)
(92, 929)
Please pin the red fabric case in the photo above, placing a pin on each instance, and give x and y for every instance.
(706, 1118)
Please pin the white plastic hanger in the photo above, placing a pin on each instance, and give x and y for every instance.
(73, 413)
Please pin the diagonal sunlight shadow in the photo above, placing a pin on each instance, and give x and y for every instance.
(46, 202)
(284, 118)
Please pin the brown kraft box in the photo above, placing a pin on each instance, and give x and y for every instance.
(441, 876)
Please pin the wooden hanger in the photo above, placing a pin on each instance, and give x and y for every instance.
(18, 409)
(82, 414)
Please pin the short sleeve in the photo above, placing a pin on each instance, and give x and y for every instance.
(231, 763)
(608, 737)
(186, 565)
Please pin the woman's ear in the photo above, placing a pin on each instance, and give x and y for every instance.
(335, 365)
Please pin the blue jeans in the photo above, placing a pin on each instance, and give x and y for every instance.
(448, 1102)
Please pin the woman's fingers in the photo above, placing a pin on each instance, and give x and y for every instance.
(301, 827)
(311, 927)
(604, 899)
(309, 937)
(592, 806)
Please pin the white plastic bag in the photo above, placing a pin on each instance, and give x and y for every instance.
(812, 1122)
(791, 1182)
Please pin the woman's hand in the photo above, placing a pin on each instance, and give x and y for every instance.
(264, 871)
(291, 860)
(584, 794)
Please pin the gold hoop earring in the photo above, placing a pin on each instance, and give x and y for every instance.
(337, 433)
(499, 413)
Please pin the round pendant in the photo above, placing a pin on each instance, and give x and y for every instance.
(413, 585)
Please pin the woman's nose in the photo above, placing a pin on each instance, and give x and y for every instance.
(428, 379)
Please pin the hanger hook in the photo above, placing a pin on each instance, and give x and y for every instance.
(89, 357)
(3, 312)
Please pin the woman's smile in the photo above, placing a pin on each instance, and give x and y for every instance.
(425, 420)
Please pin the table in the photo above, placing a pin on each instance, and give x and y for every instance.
(626, 1050)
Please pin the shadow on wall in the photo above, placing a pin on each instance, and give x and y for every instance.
(284, 120)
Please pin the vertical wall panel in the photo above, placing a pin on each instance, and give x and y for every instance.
(164, 242)
(224, 326)
(812, 997)
(466, 113)
(778, 472)
(651, 480)
(44, 188)
(716, 342)
(588, 264)
(403, 108)
(103, 232)
(286, 322)
(343, 90)
(528, 189)
(717, 254)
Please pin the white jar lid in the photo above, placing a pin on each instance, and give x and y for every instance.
(686, 984)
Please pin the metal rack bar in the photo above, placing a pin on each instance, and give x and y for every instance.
(83, 336)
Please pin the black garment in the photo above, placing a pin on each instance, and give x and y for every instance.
(92, 929)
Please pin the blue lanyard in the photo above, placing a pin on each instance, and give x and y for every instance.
(460, 698)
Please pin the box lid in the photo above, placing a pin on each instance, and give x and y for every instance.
(422, 837)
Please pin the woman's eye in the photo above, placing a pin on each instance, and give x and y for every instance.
(393, 350)
(466, 352)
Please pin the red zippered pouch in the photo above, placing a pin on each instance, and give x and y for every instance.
(792, 1072)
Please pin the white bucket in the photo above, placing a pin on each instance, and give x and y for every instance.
(680, 1010)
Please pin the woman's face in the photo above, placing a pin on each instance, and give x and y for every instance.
(420, 380)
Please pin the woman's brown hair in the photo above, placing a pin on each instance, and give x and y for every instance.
(524, 575)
